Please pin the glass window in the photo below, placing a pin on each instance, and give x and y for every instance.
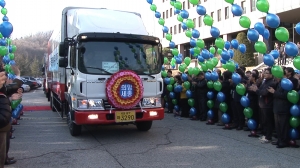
(243, 5)
(219, 15)
(199, 21)
(171, 12)
(175, 30)
(226, 12)
(253, 5)
(179, 28)
(167, 14)
(73, 57)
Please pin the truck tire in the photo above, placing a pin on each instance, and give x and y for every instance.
(144, 125)
(74, 129)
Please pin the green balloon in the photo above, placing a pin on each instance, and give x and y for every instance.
(194, 2)
(11, 56)
(230, 66)
(4, 11)
(210, 64)
(191, 102)
(14, 48)
(166, 60)
(174, 101)
(15, 103)
(296, 62)
(210, 84)
(182, 68)
(223, 107)
(215, 61)
(188, 33)
(248, 112)
(170, 88)
(3, 50)
(164, 74)
(186, 85)
(196, 70)
(293, 96)
(230, 1)
(263, 6)
(294, 122)
(203, 66)
(260, 47)
(172, 3)
(190, 23)
(282, 34)
(197, 50)
(212, 50)
(179, 18)
(219, 51)
(208, 20)
(220, 43)
(187, 61)
(1, 36)
(175, 51)
(217, 86)
(190, 70)
(178, 5)
(169, 37)
(200, 43)
(172, 80)
(277, 71)
(161, 21)
(240, 89)
(153, 7)
(210, 104)
(245, 22)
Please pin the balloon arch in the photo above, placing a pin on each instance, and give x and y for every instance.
(207, 61)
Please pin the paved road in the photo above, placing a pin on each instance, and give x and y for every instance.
(43, 140)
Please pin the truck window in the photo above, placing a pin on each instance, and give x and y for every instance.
(73, 57)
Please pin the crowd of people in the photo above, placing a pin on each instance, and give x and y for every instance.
(282, 59)
(268, 100)
(10, 90)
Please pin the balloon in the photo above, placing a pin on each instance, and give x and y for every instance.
(179, 18)
(223, 107)
(178, 5)
(245, 22)
(153, 7)
(184, 14)
(190, 23)
(208, 20)
(236, 78)
(4, 11)
(294, 122)
(194, 2)
(259, 27)
(286, 84)
(221, 97)
(201, 10)
(174, 101)
(172, 44)
(217, 86)
(235, 43)
(205, 54)
(193, 111)
(195, 33)
(188, 33)
(291, 49)
(165, 29)
(263, 6)
(248, 112)
(175, 51)
(210, 104)
(240, 89)
(227, 45)
(296, 62)
(294, 134)
(253, 35)
(220, 43)
(208, 76)
(229, 1)
(170, 89)
(6, 28)
(2, 3)
(295, 110)
(15, 103)
(282, 34)
(214, 32)
(191, 102)
(242, 48)
(210, 95)
(293, 96)
(214, 76)
(169, 36)
(268, 60)
(251, 124)
(277, 71)
(200, 59)
(187, 61)
(157, 14)
(260, 47)
(150, 1)
(225, 118)
(184, 77)
(236, 10)
(245, 102)
(183, 26)
(231, 53)
(266, 34)
(176, 11)
(210, 84)
(275, 54)
(272, 20)
(200, 43)
(210, 114)
(297, 28)
(189, 94)
(161, 21)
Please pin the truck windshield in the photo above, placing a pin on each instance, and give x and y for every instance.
(110, 57)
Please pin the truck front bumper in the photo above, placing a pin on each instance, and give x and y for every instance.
(108, 117)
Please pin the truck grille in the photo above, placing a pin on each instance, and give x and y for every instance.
(108, 106)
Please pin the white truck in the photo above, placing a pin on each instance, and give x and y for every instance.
(104, 69)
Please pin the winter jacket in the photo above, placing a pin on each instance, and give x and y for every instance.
(281, 105)
(265, 97)
(5, 111)
(201, 88)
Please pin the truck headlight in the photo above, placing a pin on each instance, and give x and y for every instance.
(90, 104)
(151, 102)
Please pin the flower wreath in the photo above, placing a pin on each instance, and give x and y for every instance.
(124, 89)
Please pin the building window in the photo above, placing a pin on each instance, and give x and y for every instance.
(188, 3)
(179, 28)
(194, 20)
(199, 21)
(163, 35)
(253, 5)
(219, 15)
(183, 5)
(212, 14)
(243, 5)
(163, 15)
(226, 12)
(205, 0)
(167, 14)
(171, 30)
(175, 29)
(171, 12)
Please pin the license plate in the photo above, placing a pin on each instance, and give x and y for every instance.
(125, 116)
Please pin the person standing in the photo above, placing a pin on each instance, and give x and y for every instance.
(201, 91)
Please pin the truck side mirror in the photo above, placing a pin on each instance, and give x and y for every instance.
(63, 49)
(63, 62)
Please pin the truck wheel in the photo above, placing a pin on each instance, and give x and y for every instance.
(52, 103)
(74, 129)
(144, 125)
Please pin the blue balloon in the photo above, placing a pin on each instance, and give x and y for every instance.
(242, 48)
(184, 77)
(11, 76)
(178, 88)
(193, 42)
(162, 68)
(223, 61)
(291, 49)
(157, 15)
(201, 10)
(236, 65)
(272, 20)
(183, 26)
(5, 18)
(225, 55)
(210, 95)
(225, 118)
(214, 32)
(268, 60)
(17, 111)
(286, 84)
(176, 11)
(150, 1)
(3, 42)
(6, 59)
(236, 78)
(236, 10)
(235, 43)
(167, 81)
(205, 54)
(184, 14)
(231, 53)
(207, 76)
(275, 54)
(192, 51)
(2, 3)
(245, 102)
(214, 76)
(176, 108)
(178, 60)
(211, 55)
(166, 105)
(295, 110)
(294, 134)
(180, 55)
(172, 95)
(193, 111)
(195, 33)
(227, 45)
(200, 58)
(172, 44)
(165, 29)
(266, 34)
(189, 94)
(252, 35)
(210, 114)
(12, 62)
(297, 28)
(6, 28)
(259, 27)
(221, 97)
(251, 124)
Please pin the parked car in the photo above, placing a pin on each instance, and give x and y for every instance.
(33, 80)
(26, 88)
(32, 84)
(39, 81)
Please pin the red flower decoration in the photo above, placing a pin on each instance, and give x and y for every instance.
(124, 89)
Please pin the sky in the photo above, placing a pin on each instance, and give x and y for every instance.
(33, 16)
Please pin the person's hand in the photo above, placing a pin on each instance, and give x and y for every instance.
(16, 70)
(20, 91)
(16, 96)
(2, 79)
(253, 88)
(271, 90)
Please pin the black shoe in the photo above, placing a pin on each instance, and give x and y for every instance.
(274, 142)
(9, 162)
(10, 158)
(281, 146)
